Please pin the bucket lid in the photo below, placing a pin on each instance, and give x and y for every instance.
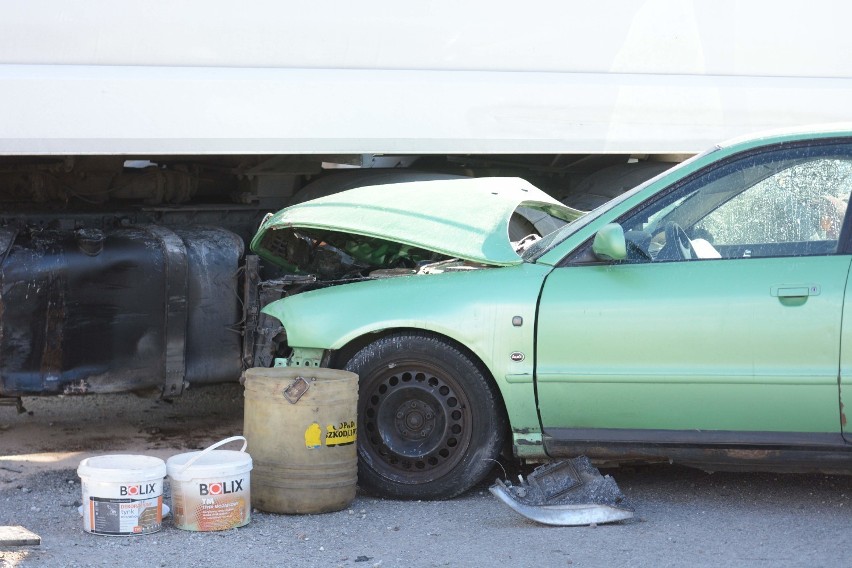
(123, 468)
(209, 462)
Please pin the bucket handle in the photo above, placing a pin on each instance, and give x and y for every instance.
(213, 447)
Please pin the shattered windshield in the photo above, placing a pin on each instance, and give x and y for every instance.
(547, 242)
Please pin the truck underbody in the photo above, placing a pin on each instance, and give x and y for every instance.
(129, 273)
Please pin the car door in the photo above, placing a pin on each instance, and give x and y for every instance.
(722, 326)
(846, 367)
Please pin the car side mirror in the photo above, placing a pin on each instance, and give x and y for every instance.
(609, 243)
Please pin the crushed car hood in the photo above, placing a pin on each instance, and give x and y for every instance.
(466, 219)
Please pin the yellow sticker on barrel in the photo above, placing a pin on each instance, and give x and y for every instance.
(313, 436)
(341, 435)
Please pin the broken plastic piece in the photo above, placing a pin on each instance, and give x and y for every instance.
(566, 493)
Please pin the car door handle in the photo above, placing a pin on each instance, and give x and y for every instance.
(795, 290)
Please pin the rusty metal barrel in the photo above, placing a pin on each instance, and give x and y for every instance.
(301, 426)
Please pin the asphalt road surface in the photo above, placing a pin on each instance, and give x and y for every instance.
(683, 517)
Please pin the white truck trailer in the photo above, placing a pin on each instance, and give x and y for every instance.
(141, 145)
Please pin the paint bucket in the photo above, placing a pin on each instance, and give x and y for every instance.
(122, 494)
(301, 423)
(211, 489)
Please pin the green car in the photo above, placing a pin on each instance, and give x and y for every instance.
(697, 318)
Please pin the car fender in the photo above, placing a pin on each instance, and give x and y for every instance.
(490, 311)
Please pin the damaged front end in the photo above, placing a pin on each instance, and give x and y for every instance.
(354, 230)
(421, 228)
(334, 257)
(307, 260)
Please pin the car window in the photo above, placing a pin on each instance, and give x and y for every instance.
(787, 202)
(805, 202)
(550, 241)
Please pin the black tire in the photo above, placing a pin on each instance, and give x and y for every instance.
(430, 424)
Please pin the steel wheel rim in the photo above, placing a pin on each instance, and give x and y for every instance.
(416, 422)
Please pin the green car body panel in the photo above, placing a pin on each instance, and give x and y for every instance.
(665, 371)
(677, 352)
(457, 309)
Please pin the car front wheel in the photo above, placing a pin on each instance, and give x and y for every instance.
(430, 424)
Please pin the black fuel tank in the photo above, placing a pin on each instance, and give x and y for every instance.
(119, 309)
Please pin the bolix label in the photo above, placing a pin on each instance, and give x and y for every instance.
(220, 487)
(143, 489)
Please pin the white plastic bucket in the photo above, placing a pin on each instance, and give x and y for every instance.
(122, 494)
(211, 489)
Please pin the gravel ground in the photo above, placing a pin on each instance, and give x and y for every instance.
(683, 516)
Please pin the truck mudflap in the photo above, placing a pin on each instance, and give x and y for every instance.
(566, 493)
